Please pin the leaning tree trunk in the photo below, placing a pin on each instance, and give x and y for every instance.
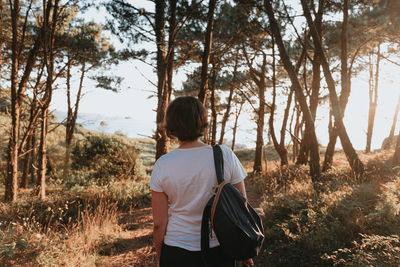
(294, 134)
(355, 163)
(162, 140)
(229, 104)
(345, 91)
(373, 97)
(206, 53)
(388, 143)
(314, 151)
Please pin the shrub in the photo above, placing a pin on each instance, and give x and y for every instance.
(106, 158)
(128, 195)
(372, 250)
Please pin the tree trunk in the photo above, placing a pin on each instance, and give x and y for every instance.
(171, 46)
(72, 116)
(228, 106)
(213, 107)
(27, 163)
(279, 147)
(392, 129)
(304, 151)
(373, 98)
(49, 55)
(296, 132)
(206, 53)
(162, 140)
(237, 114)
(355, 163)
(41, 182)
(1, 39)
(314, 155)
(33, 165)
(345, 91)
(11, 182)
(396, 156)
(261, 84)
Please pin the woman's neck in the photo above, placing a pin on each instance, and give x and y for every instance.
(191, 144)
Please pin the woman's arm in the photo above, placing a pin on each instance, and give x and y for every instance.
(160, 219)
(242, 189)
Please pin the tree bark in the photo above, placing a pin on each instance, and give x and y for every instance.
(355, 163)
(373, 98)
(206, 53)
(314, 155)
(162, 140)
(11, 182)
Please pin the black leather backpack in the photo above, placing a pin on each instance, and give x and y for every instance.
(237, 226)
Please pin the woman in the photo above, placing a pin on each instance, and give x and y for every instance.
(186, 179)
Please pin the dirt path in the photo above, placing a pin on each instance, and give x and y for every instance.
(135, 247)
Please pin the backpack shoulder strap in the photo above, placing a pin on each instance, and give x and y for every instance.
(219, 163)
(205, 230)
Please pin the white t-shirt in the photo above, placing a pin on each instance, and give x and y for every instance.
(187, 176)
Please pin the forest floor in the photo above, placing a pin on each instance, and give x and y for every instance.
(135, 248)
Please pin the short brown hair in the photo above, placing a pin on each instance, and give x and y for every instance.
(186, 118)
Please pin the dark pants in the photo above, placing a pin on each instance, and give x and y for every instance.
(179, 257)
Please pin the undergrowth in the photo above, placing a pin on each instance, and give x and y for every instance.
(348, 223)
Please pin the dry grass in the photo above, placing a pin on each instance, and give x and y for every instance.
(28, 243)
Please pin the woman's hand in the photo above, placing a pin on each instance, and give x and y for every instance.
(248, 263)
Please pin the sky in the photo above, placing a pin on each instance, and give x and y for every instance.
(132, 110)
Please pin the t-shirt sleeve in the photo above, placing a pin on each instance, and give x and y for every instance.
(155, 180)
(236, 170)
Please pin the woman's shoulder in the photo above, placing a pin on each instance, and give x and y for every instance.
(227, 152)
(226, 149)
